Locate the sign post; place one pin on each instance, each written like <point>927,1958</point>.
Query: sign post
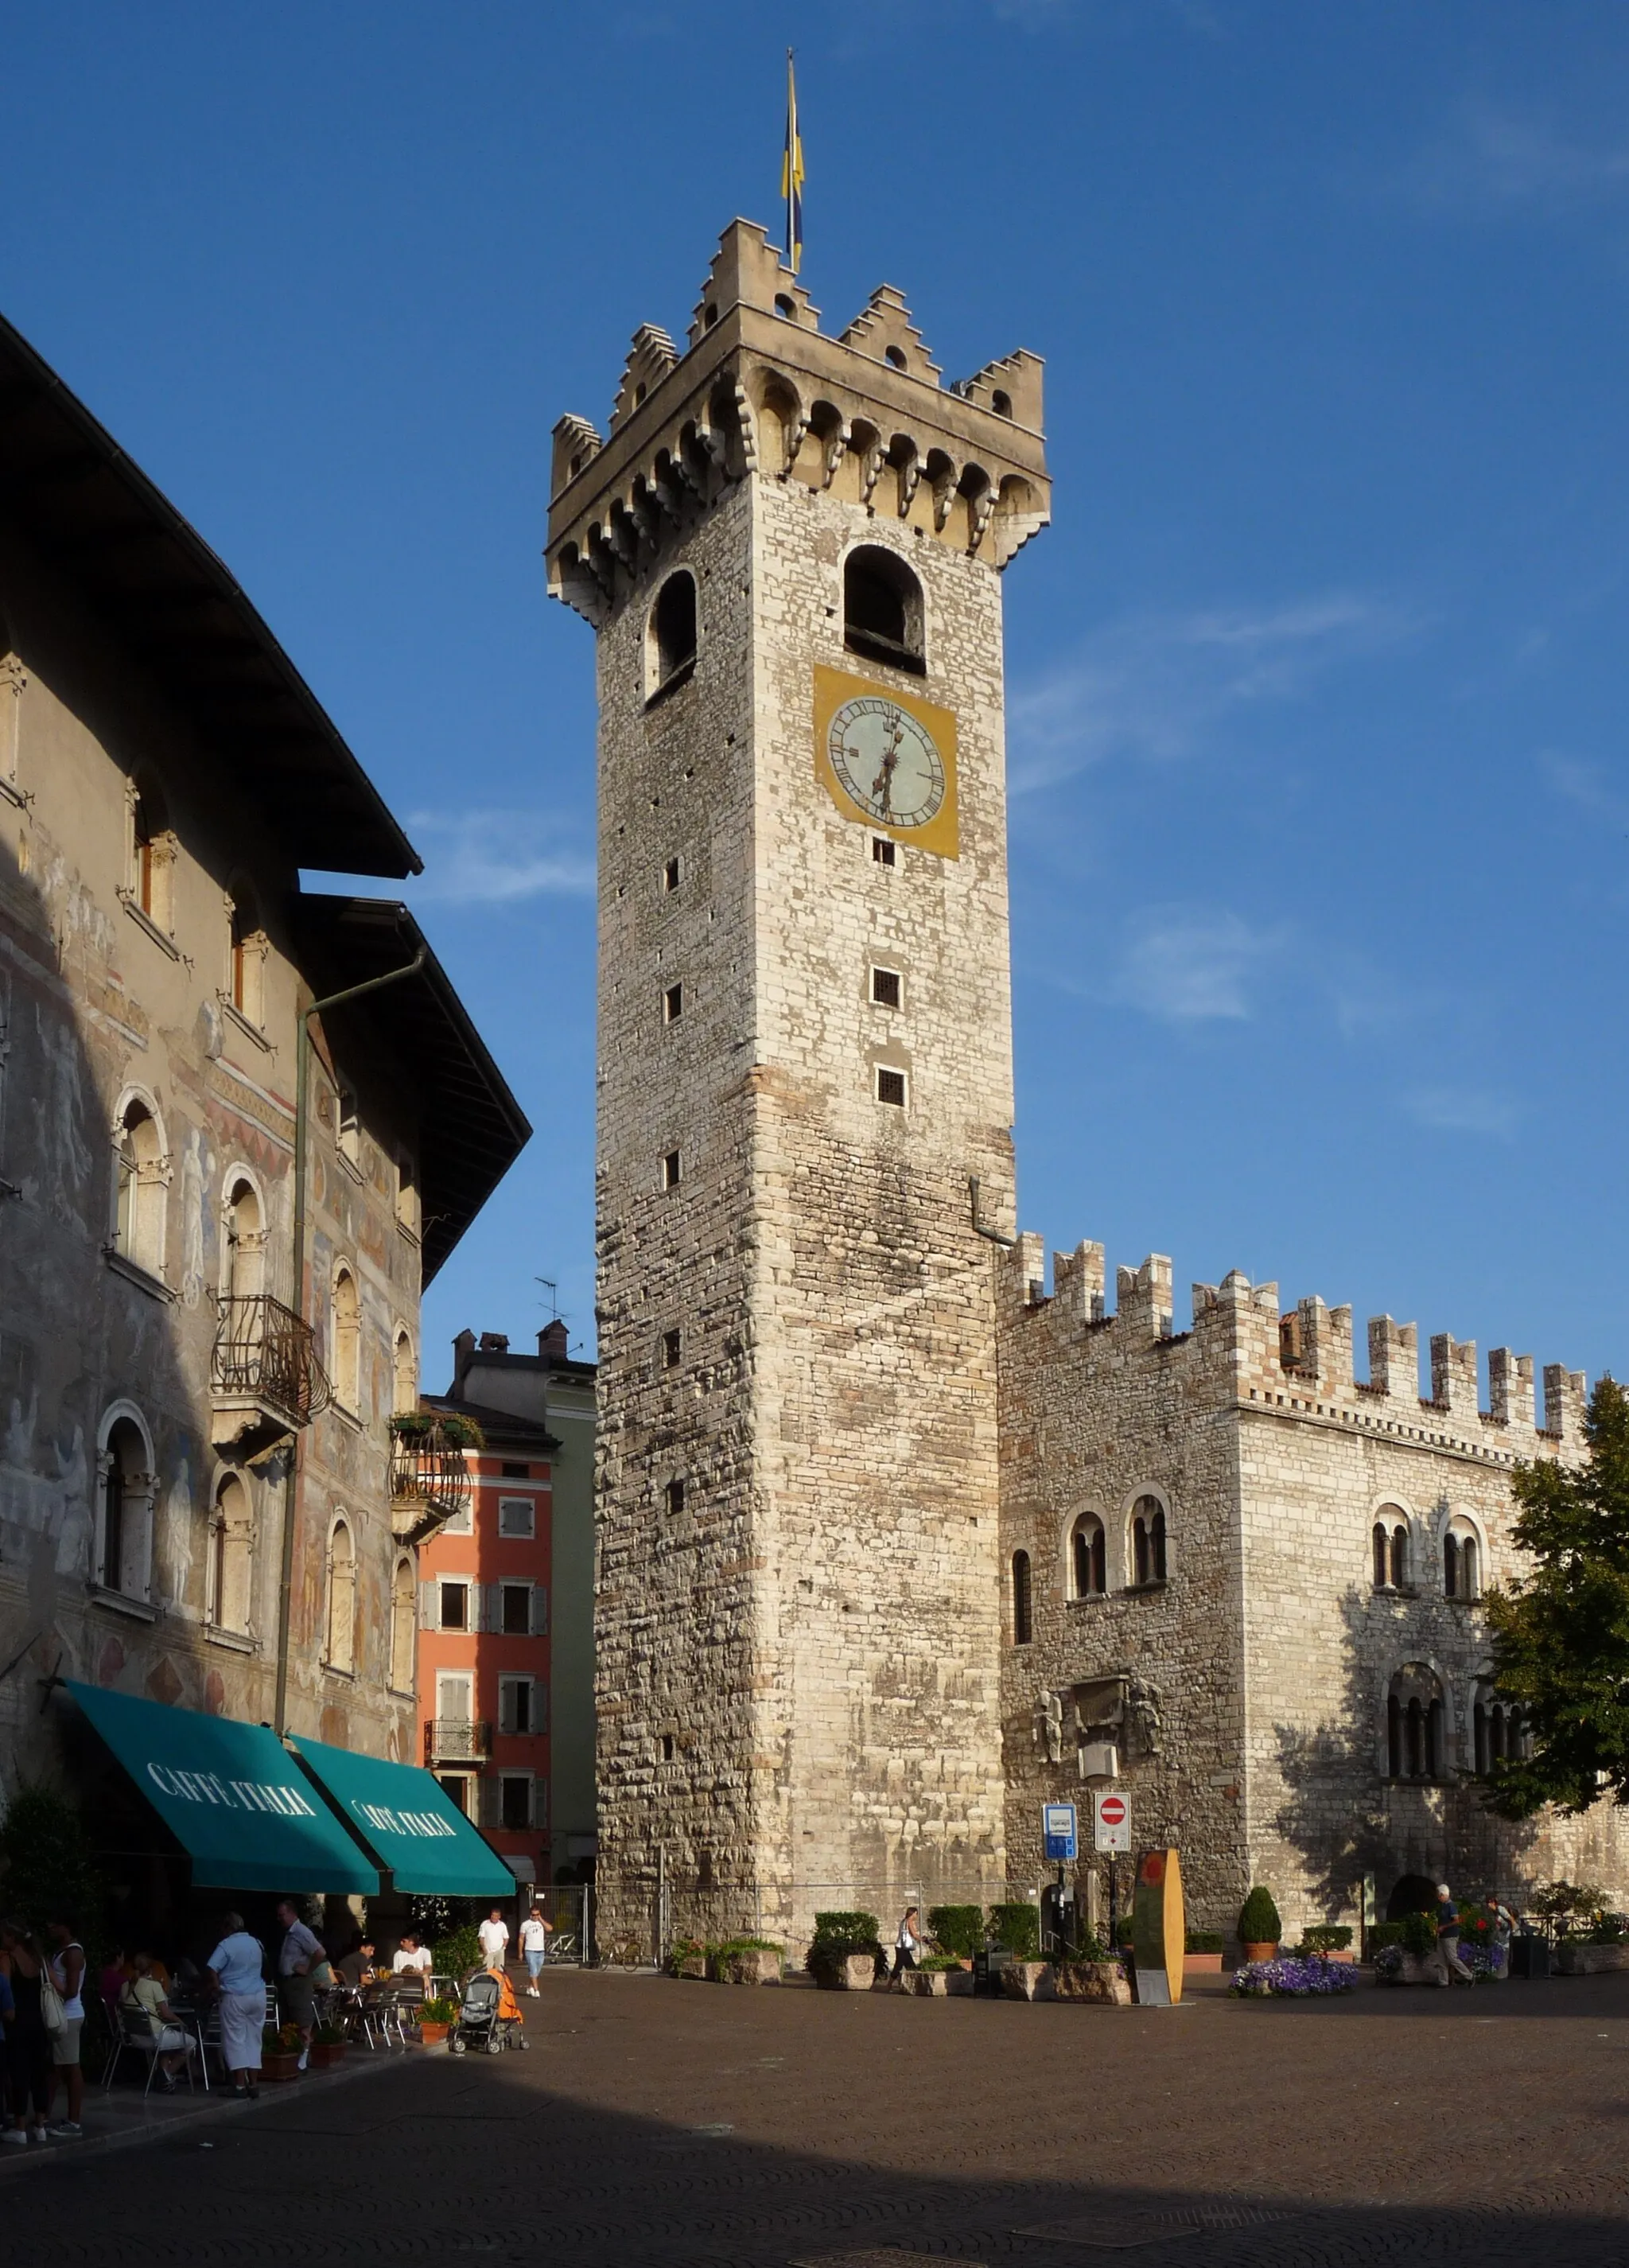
<point>1060,1832</point>
<point>1111,1832</point>
<point>1060,1840</point>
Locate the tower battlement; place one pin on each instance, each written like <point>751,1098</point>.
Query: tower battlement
<point>863,417</point>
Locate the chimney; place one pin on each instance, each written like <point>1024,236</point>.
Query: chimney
<point>463,1355</point>
<point>551,1340</point>
<point>494,1342</point>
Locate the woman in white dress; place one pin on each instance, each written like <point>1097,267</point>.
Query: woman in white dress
<point>237,1967</point>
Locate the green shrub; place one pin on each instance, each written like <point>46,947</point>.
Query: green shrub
<point>457,1953</point>
<point>1017,1927</point>
<point>1258,1918</point>
<point>1326,1937</point>
<point>937,1961</point>
<point>438,2011</point>
<point>1125,1930</point>
<point>957,1929</point>
<point>838,1933</point>
<point>1204,1941</point>
<point>683,1948</point>
<point>1090,1948</point>
<point>48,1872</point>
<point>743,1945</point>
<point>1383,1933</point>
<point>1416,1933</point>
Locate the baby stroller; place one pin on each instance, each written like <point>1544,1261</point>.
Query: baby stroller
<point>489,2016</point>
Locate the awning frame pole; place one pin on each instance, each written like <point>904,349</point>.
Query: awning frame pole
<point>302,1098</point>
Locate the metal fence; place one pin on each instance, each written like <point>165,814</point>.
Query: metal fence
<point>638,1923</point>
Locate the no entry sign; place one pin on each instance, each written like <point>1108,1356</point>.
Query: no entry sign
<point>1111,1817</point>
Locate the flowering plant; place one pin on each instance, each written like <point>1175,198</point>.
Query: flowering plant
<point>282,2039</point>
<point>1293,1978</point>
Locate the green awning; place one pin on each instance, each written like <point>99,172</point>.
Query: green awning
<point>409,1823</point>
<point>232,1794</point>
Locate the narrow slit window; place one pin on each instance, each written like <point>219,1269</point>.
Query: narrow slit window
<point>670,1170</point>
<point>674,1497</point>
<point>673,1003</point>
<point>672,1347</point>
<point>670,876</point>
<point>891,1087</point>
<point>1023,1625</point>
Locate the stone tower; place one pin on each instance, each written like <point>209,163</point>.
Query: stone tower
<point>790,547</point>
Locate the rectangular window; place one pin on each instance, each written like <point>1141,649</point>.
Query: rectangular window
<point>890,1085</point>
<point>350,1129</point>
<point>455,1606</point>
<point>515,1609</point>
<point>884,852</point>
<point>457,1786</point>
<point>670,1170</point>
<point>517,1515</point>
<point>673,1346</point>
<point>463,1520</point>
<point>885,987</point>
<point>515,1472</point>
<point>673,1003</point>
<point>670,875</point>
<point>514,1705</point>
<point>674,1497</point>
<point>516,1800</point>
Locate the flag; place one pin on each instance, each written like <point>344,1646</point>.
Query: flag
<point>792,174</point>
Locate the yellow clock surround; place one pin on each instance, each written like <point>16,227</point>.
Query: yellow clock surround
<point>834,689</point>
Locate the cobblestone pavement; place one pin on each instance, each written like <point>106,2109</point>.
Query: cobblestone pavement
<point>665,2124</point>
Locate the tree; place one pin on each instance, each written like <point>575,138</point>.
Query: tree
<point>1561,1633</point>
<point>46,1867</point>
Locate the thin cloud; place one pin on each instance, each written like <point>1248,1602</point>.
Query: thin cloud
<point>1584,785</point>
<point>1195,965</point>
<point>1153,687</point>
<point>1490,161</point>
<point>1463,1110</point>
<point>495,858</point>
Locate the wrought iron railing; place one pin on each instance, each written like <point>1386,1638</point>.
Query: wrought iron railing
<point>457,1740</point>
<point>264,1349</point>
<point>427,1468</point>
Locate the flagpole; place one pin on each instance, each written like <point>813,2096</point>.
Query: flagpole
<point>792,173</point>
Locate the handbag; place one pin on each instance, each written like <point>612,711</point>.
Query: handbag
<point>53,2016</point>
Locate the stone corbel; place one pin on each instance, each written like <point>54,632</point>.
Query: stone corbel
<point>749,427</point>
<point>910,475</point>
<point>795,433</point>
<point>980,517</point>
<point>945,495</point>
<point>876,457</point>
<point>836,447</point>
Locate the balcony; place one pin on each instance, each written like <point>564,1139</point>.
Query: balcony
<point>429,1478</point>
<point>264,1375</point>
<point>457,1741</point>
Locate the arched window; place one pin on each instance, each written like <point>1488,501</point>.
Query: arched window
<point>140,1174</point>
<point>1147,1541</point>
<point>405,1375</point>
<point>347,1342</point>
<point>1391,1543</point>
<point>1461,1572</point>
<point>248,947</point>
<point>670,638</point>
<point>243,1272</point>
<point>882,611</point>
<point>1500,1731</point>
<point>1023,1625</point>
<point>403,1628</point>
<point>340,1650</point>
<point>1088,1562</point>
<point>1416,1725</point>
<point>124,1528</point>
<point>231,1555</point>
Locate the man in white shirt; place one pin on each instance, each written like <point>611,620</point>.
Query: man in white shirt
<point>494,1936</point>
<point>535,1945</point>
<point>411,1958</point>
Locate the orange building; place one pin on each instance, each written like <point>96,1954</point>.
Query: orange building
<point>484,1649</point>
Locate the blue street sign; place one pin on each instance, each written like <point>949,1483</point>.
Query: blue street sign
<point>1058,1831</point>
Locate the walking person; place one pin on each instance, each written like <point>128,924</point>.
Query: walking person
<point>27,2043</point>
<point>907,1944</point>
<point>1502,1928</point>
<point>535,1945</point>
<point>299,1957</point>
<point>1450,1967</point>
<point>494,1936</point>
<point>237,1975</point>
<point>67,1966</point>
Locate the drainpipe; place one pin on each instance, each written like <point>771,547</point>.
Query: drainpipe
<point>291,1486</point>
<point>994,1235</point>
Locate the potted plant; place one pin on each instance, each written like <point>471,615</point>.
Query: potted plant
<point>939,1975</point>
<point>958,1930</point>
<point>280,2049</point>
<point>1092,1973</point>
<point>688,1957</point>
<point>436,2019</point>
<point>1202,1953</point>
<point>328,2045</point>
<point>1259,1926</point>
<point>1326,1941</point>
<point>844,1955</point>
<point>1405,1951</point>
<point>746,1960</point>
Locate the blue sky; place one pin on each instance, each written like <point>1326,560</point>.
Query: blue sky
<point>1320,811</point>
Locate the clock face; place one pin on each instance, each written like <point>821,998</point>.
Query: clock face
<point>886,760</point>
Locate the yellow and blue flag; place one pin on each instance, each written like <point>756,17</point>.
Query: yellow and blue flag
<point>792,174</point>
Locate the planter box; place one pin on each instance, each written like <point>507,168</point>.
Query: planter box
<point>1417,1969</point>
<point>429,2034</point>
<point>325,2053</point>
<point>1252,1951</point>
<point>1029,1980</point>
<point>928,1983</point>
<point>749,1969</point>
<point>1589,1960</point>
<point>855,1972</point>
<point>694,1964</point>
<point>1202,1964</point>
<point>274,2069</point>
<point>1102,1981</point>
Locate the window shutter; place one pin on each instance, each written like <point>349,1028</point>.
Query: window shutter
<point>540,1802</point>
<point>429,1601</point>
<point>540,1707</point>
<point>540,1609</point>
<point>489,1794</point>
<point>506,1704</point>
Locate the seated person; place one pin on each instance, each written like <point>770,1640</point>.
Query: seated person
<point>145,1995</point>
<point>411,1958</point>
<point>114,1977</point>
<point>357,1966</point>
